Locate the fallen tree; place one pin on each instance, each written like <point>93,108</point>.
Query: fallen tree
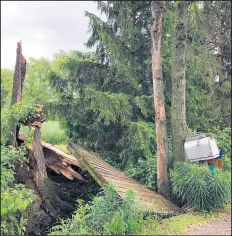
<point>51,202</point>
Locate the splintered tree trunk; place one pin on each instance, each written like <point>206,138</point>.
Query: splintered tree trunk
<point>19,76</point>
<point>46,188</point>
<point>40,173</point>
<point>178,108</point>
<point>163,182</point>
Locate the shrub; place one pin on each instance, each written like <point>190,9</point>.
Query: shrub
<point>226,163</point>
<point>145,172</point>
<point>15,199</point>
<point>108,214</point>
<point>223,139</point>
<point>198,188</point>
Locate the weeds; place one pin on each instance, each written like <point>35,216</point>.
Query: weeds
<point>108,214</point>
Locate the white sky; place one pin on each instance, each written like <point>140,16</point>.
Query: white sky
<point>45,27</point>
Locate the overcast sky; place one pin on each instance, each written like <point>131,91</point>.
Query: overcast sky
<point>45,28</point>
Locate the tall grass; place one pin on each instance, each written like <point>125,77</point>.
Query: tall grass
<point>53,133</point>
<point>50,132</point>
<point>108,215</point>
<point>197,187</point>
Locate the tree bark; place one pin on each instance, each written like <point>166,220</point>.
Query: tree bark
<point>163,180</point>
<point>49,196</point>
<point>19,76</point>
<point>219,36</point>
<point>178,107</point>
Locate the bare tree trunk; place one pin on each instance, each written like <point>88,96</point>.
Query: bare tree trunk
<point>163,181</point>
<point>19,76</point>
<point>178,108</point>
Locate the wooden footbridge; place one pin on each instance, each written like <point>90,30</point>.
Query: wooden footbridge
<point>103,173</point>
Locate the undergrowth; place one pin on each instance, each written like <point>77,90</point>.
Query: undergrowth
<point>108,215</point>
<point>15,198</point>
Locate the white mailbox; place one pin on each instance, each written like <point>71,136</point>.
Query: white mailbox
<point>199,148</point>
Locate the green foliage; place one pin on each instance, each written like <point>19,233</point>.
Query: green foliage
<point>37,86</point>
<point>108,214</point>
<point>145,104</point>
<point>15,199</point>
<point>6,87</point>
<point>11,117</point>
<point>14,209</point>
<point>223,139</point>
<point>110,107</point>
<point>8,156</point>
<point>226,163</point>
<point>145,171</point>
<point>138,142</point>
<point>198,188</point>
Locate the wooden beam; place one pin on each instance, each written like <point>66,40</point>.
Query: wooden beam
<point>89,167</point>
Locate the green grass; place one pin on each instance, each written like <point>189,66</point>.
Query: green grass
<point>50,132</point>
<point>177,225</point>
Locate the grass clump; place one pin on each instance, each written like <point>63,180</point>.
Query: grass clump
<point>51,132</point>
<point>108,214</point>
<point>198,188</point>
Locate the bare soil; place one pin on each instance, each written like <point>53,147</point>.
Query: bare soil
<point>220,226</point>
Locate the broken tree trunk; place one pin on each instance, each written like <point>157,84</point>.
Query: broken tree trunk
<point>163,182</point>
<point>55,159</point>
<point>19,76</point>
<point>50,200</point>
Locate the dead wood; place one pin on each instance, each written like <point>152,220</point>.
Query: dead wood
<point>17,91</point>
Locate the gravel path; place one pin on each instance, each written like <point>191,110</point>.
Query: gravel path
<point>221,226</point>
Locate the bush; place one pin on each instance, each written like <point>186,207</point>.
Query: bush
<point>198,188</point>
<point>226,163</point>
<point>145,172</point>
<point>15,199</point>
<point>223,139</point>
<point>108,214</point>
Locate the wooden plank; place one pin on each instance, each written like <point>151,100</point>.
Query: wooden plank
<point>89,167</point>
<point>97,167</point>
<point>108,173</point>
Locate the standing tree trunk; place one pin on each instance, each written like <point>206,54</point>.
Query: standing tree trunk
<point>178,108</point>
<point>219,36</point>
<point>163,181</point>
<point>19,76</point>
